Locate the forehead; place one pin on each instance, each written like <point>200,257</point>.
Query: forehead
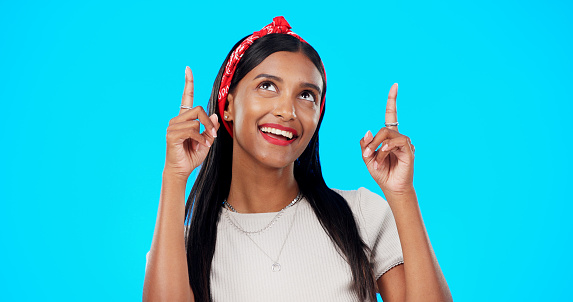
<point>290,66</point>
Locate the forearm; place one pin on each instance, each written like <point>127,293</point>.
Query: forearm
<point>424,280</point>
<point>166,277</point>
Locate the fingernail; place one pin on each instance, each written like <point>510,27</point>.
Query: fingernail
<point>385,147</point>
<point>197,147</point>
<point>213,132</point>
<point>367,152</point>
<point>367,135</point>
<point>375,164</point>
<point>187,71</point>
<point>208,144</point>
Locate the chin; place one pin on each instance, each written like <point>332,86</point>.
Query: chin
<point>277,162</point>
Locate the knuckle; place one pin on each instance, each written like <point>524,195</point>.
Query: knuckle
<point>170,135</point>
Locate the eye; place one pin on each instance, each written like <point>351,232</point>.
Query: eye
<point>307,95</point>
<point>268,86</point>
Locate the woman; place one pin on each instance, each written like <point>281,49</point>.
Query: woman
<point>263,224</point>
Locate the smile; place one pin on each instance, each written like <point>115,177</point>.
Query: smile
<point>277,134</point>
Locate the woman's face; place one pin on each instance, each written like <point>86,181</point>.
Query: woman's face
<point>275,109</point>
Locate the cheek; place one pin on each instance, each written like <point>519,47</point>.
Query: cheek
<point>316,119</point>
<point>315,111</point>
<point>315,114</point>
<point>311,118</point>
<point>247,110</point>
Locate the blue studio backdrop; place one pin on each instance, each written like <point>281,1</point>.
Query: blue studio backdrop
<point>87,89</point>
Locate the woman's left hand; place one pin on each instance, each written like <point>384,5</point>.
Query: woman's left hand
<point>392,165</point>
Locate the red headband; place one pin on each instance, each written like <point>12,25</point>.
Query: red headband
<point>279,26</point>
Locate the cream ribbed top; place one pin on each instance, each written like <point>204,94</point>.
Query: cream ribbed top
<point>311,267</point>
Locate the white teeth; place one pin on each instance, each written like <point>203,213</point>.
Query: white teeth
<point>284,133</point>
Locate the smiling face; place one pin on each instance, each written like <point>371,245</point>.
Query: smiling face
<point>274,110</point>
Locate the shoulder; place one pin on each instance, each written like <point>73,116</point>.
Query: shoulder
<point>363,201</point>
<point>371,212</point>
<point>377,228</point>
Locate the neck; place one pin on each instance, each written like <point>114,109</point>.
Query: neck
<point>258,189</point>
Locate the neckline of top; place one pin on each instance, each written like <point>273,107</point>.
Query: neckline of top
<point>264,214</point>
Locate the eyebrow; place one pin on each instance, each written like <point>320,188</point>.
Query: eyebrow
<point>272,77</point>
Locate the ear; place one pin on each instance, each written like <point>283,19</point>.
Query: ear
<point>229,108</point>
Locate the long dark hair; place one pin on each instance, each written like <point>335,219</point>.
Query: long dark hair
<point>213,182</point>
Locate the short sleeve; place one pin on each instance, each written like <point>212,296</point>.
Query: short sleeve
<point>377,228</point>
<point>381,232</point>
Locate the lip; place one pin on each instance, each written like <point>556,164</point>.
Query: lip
<point>275,141</point>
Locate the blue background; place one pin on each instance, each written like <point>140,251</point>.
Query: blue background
<point>87,89</point>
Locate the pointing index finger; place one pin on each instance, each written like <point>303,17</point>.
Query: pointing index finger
<point>187,99</point>
<point>391,114</point>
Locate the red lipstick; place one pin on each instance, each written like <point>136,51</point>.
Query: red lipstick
<point>276,141</point>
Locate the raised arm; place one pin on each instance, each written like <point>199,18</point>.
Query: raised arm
<point>392,167</point>
<point>166,276</point>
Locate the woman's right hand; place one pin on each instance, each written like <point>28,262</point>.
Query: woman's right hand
<point>186,146</point>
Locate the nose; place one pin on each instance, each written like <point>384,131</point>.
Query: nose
<point>285,108</point>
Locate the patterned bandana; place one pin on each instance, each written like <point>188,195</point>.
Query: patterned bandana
<point>279,26</point>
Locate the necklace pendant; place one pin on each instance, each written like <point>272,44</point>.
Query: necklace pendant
<point>276,267</point>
